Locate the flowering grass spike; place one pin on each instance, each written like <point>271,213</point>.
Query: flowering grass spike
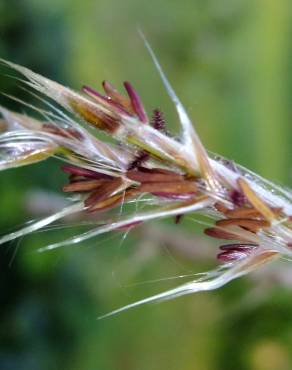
<point>160,175</point>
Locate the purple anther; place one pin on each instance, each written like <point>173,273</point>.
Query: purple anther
<point>136,102</point>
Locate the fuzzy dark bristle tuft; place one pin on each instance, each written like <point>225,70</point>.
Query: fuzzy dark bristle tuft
<point>158,121</point>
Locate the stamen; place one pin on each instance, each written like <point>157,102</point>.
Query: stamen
<point>114,94</point>
<point>81,186</point>
<point>153,176</point>
<point>105,190</point>
<point>216,232</point>
<point>136,102</point>
<point>246,223</point>
<point>113,201</point>
<point>83,172</point>
<point>108,101</point>
<point>243,213</point>
<point>180,187</point>
<point>250,212</point>
<point>220,207</point>
<point>106,204</point>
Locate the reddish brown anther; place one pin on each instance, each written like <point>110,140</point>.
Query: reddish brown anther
<point>83,172</point>
<point>216,232</point>
<point>153,175</point>
<point>106,204</point>
<point>105,100</point>
<point>248,224</point>
<point>220,207</point>
<point>113,201</point>
<point>82,186</point>
<point>169,188</point>
<point>178,188</point>
<point>117,97</point>
<point>104,191</point>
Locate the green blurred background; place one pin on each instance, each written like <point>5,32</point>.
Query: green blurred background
<point>230,63</point>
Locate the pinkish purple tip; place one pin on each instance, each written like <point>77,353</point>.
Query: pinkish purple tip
<point>136,102</point>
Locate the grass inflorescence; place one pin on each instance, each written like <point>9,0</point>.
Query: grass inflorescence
<point>251,217</point>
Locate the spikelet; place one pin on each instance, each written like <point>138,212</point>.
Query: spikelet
<point>177,175</point>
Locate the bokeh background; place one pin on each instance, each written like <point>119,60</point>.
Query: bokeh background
<point>230,63</point>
